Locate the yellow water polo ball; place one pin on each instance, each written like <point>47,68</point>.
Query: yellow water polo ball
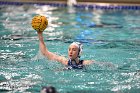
<point>39,23</point>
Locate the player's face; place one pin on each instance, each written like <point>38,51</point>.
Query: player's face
<point>73,51</point>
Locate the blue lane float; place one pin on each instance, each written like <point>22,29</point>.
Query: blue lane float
<point>83,6</point>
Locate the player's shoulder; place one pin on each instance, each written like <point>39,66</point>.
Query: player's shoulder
<point>88,62</point>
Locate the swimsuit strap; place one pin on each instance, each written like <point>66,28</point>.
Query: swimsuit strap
<point>81,62</point>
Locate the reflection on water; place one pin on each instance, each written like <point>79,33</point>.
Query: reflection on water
<point>111,37</point>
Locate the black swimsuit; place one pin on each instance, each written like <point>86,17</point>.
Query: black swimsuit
<point>75,66</point>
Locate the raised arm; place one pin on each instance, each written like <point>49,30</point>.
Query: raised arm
<point>47,53</point>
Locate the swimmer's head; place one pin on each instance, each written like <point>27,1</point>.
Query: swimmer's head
<point>48,89</point>
<point>78,46</point>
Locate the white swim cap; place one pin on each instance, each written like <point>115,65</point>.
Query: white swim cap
<point>79,46</point>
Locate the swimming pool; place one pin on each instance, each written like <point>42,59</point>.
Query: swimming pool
<point>111,37</point>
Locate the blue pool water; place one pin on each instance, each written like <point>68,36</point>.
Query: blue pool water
<point>111,37</point>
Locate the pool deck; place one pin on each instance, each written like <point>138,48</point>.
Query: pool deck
<point>85,2</point>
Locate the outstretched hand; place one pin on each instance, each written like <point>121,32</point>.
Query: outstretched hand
<point>39,32</point>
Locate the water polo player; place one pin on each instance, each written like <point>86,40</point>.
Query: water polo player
<point>40,23</point>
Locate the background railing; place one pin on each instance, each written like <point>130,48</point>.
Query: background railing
<point>112,1</point>
<point>100,1</point>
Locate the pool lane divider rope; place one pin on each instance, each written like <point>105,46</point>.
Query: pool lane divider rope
<point>83,6</point>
